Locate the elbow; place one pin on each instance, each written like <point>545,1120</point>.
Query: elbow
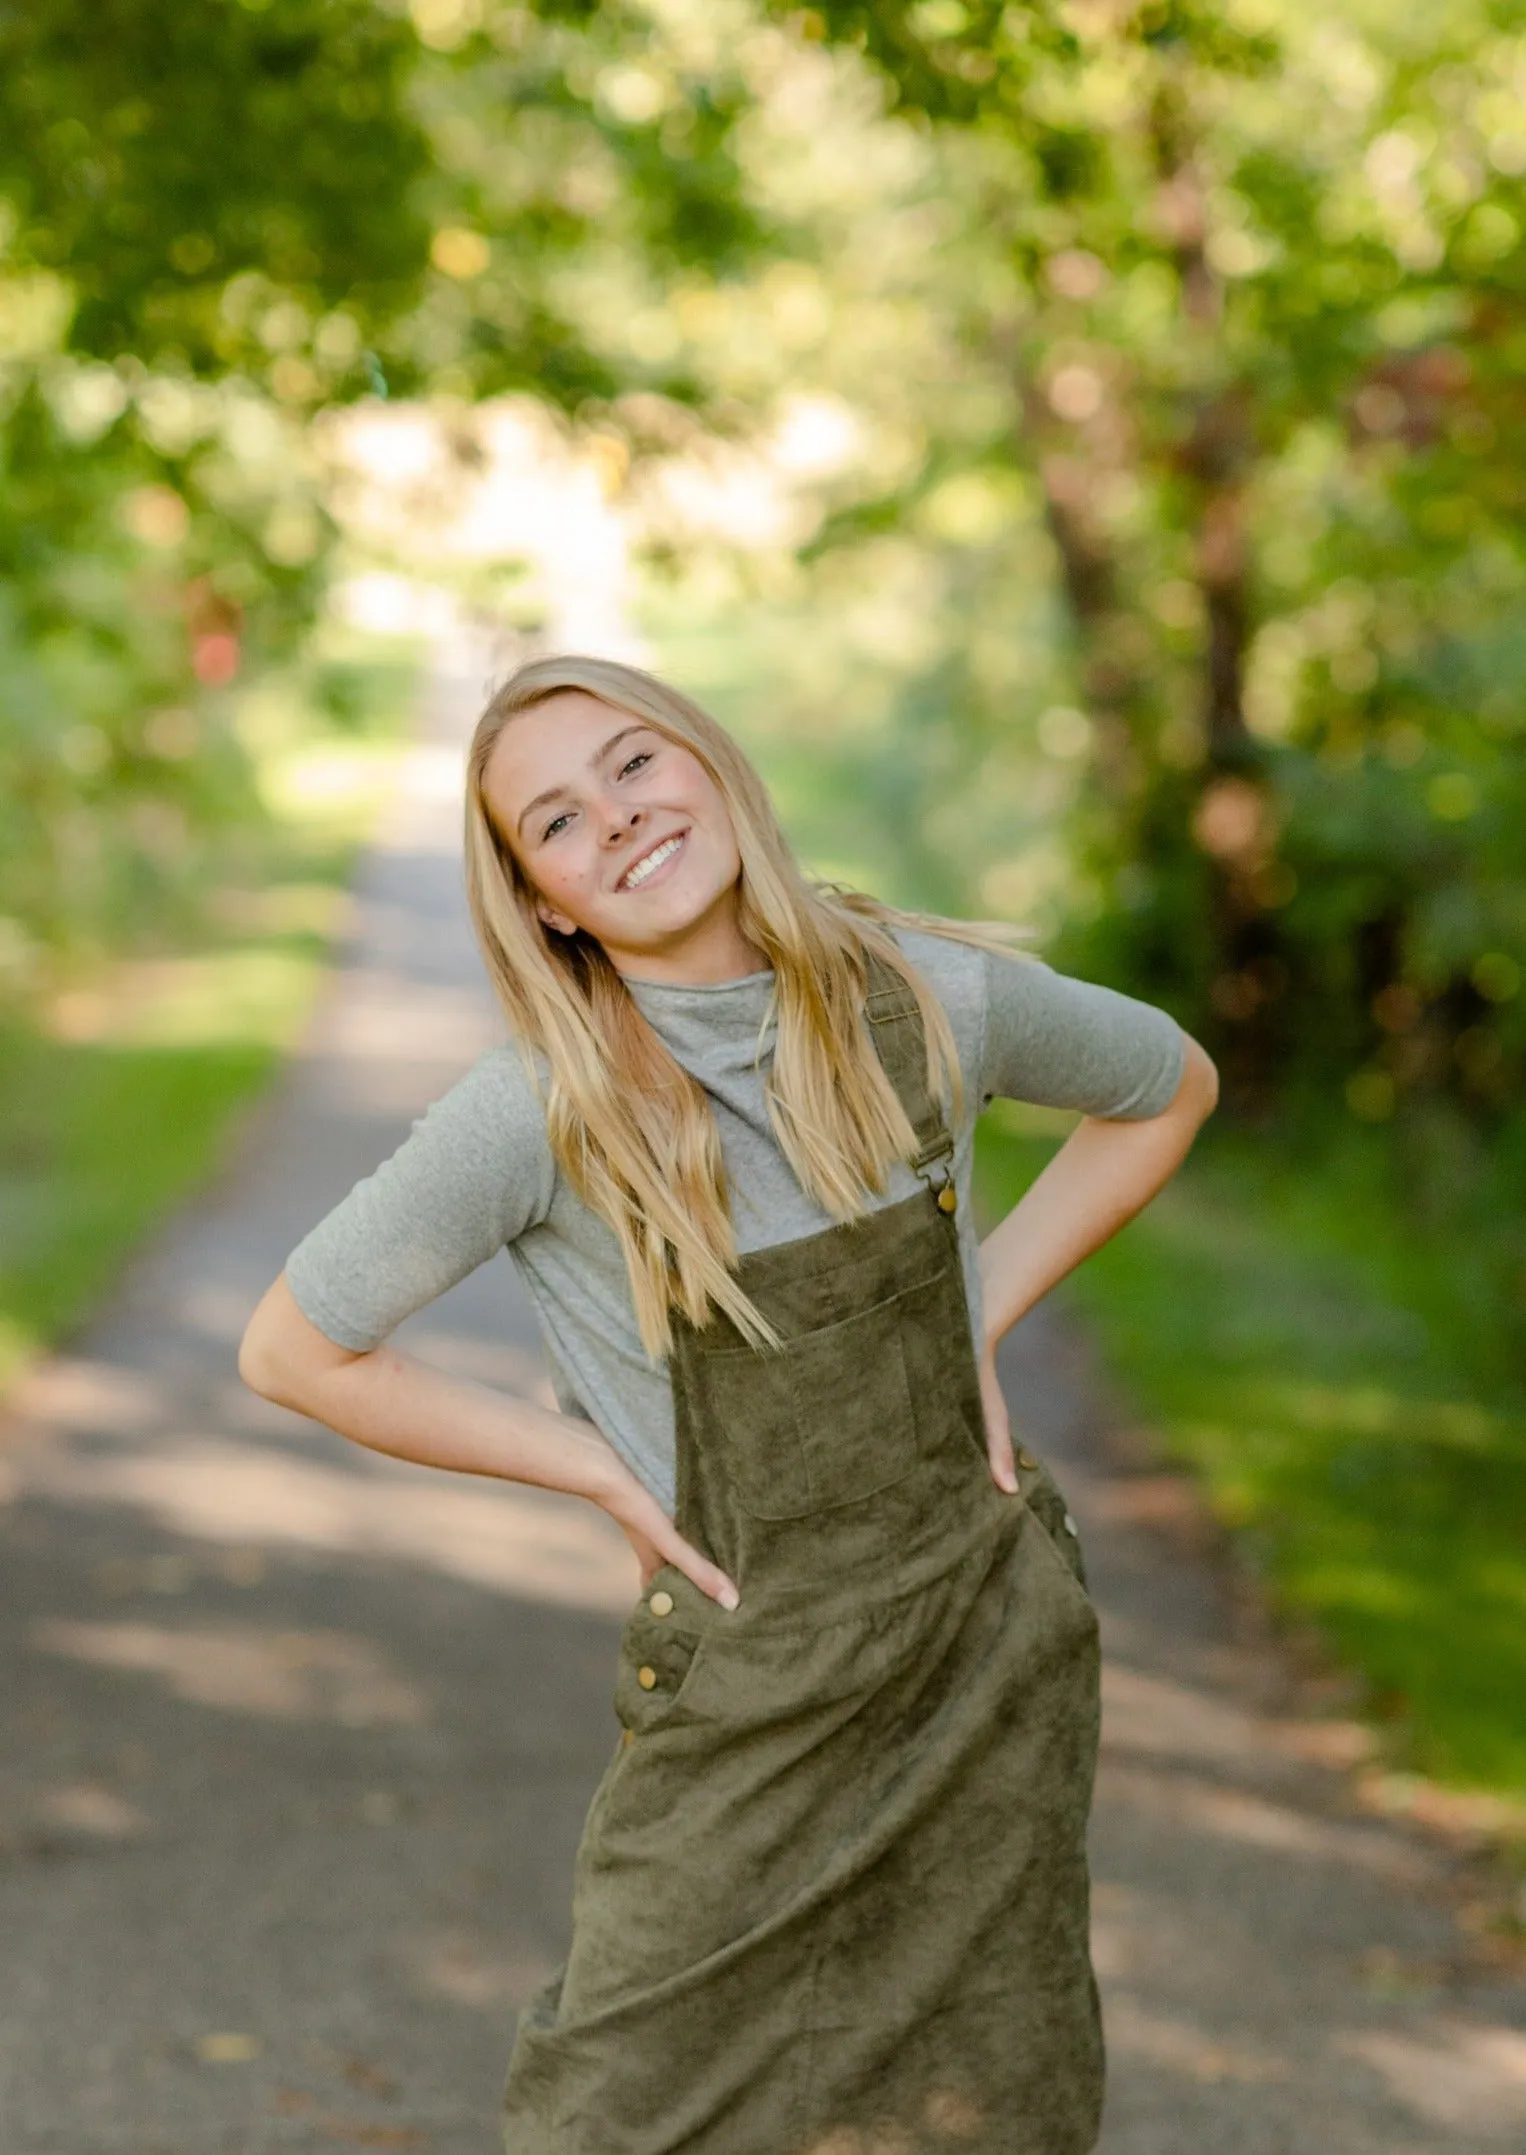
<point>1198,1092</point>
<point>281,1353</point>
<point>260,1367</point>
<point>280,1375</point>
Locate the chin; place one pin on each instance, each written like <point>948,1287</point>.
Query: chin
<point>687,903</point>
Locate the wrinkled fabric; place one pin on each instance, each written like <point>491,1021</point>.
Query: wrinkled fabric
<point>831,1895</point>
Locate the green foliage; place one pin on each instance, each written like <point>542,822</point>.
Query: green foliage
<point>189,169</point>
<point>214,223</point>
<point>205,213</point>
<point>138,588</point>
<point>1232,291</point>
<point>1245,288</point>
<point>585,162</point>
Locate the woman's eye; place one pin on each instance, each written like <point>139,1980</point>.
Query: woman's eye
<point>558,823</point>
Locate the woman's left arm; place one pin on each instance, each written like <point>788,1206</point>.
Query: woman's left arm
<point>1105,1172</point>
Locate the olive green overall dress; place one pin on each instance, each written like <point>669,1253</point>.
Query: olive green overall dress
<point>831,1896</point>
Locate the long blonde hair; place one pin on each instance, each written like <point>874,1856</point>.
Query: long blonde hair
<point>629,1127</point>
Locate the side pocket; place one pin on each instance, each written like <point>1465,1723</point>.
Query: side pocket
<point>1047,1503</point>
<point>657,1658</point>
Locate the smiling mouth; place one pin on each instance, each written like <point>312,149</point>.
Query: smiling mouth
<point>642,870</point>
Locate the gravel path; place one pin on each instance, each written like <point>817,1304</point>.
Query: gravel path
<point>300,1738</point>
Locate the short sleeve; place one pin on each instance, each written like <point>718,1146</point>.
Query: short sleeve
<point>1061,1042</point>
<point>475,1172</point>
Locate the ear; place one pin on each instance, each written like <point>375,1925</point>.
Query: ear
<point>551,918</point>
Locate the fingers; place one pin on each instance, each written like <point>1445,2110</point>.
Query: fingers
<point>658,1542</point>
<point>998,1428</point>
<point>708,1577</point>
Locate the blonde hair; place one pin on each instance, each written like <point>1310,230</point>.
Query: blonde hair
<point>629,1127</point>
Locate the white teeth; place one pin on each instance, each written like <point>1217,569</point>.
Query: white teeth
<point>650,861</point>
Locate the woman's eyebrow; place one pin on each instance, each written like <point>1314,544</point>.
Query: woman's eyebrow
<point>554,793</point>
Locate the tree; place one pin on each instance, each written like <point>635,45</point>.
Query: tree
<point>1264,274</point>
<point>219,221</point>
<point>169,163</point>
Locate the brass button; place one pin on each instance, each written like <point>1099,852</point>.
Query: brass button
<point>646,1678</point>
<point>661,1603</point>
<point>948,1198</point>
<point>1026,1460</point>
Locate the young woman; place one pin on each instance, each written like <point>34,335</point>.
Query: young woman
<point>831,1896</point>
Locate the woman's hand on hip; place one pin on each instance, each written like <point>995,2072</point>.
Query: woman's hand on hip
<point>656,1540</point>
<point>386,1400</point>
<point>998,1426</point>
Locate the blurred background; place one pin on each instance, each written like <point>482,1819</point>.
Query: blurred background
<point>1080,448</point>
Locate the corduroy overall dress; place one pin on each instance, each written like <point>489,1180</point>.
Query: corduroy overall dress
<point>831,1895</point>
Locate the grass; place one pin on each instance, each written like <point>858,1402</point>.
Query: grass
<point>1292,1337</point>
<point>99,1142</point>
<point>118,1096</point>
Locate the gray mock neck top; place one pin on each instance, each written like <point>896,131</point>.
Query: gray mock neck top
<point>476,1172</point>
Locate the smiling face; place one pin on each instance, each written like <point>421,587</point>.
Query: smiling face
<point>623,834</point>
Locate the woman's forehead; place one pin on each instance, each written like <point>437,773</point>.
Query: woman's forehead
<point>567,713</point>
<point>563,729</point>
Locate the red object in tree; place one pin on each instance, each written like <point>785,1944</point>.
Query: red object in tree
<point>214,623</point>
<point>214,657</point>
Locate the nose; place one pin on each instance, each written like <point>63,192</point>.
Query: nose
<point>620,820</point>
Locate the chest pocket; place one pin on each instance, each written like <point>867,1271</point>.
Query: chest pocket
<point>826,1420</point>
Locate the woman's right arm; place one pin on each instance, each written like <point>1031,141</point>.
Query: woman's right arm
<point>391,1402</point>
<point>475,1173</point>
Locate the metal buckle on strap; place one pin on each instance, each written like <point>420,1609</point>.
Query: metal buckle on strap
<point>941,1181</point>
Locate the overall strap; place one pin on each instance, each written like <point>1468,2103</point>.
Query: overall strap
<point>896,1028</point>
